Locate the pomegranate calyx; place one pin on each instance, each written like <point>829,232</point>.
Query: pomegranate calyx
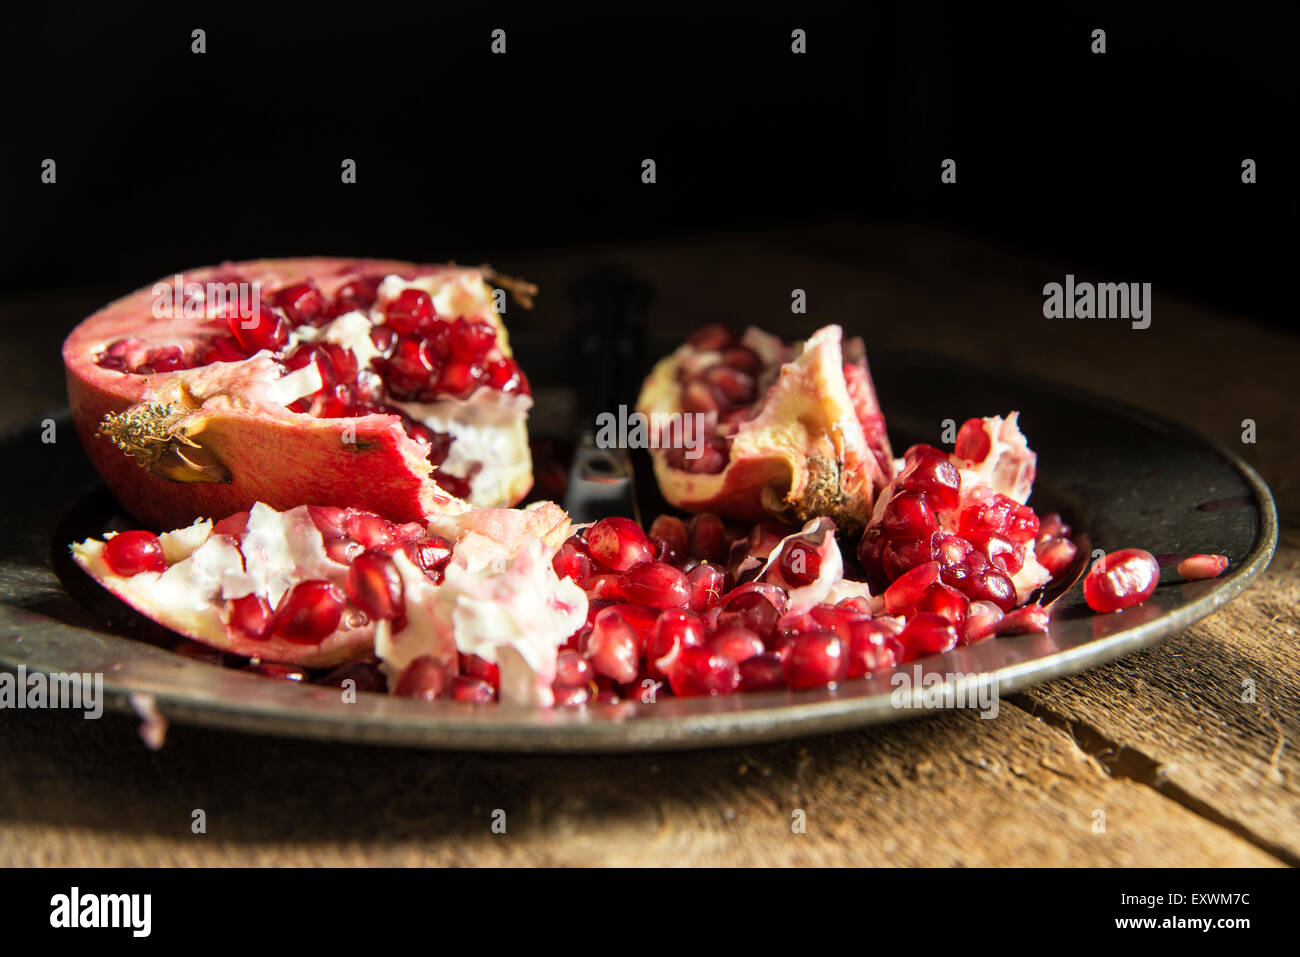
<point>159,437</point>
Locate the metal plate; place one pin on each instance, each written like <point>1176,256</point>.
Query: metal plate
<point>1121,477</point>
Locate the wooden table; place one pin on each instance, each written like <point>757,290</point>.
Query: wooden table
<point>1159,743</point>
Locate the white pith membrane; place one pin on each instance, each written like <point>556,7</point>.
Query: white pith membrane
<point>829,586</point>
<point>500,598</point>
<point>488,428</point>
<point>1009,470</point>
<point>804,452</point>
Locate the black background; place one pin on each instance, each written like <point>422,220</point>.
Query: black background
<point>1126,165</point>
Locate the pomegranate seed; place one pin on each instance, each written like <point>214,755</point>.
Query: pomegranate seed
<point>981,621</point>
<point>870,648</point>
<point>1056,554</point>
<point>250,616</point>
<point>431,555</point>
<point>504,375</point>
<point>424,678</point>
<point>1196,567</point>
<point>701,397</point>
<point>472,690</point>
<point>735,387</point>
<point>973,442</point>
<point>817,659</point>
<point>711,338</point>
<point>641,619</point>
<point>459,378</point>
<point>710,458</point>
<point>618,543</point>
<point>384,339</point>
<point>909,588</point>
<point>698,671</point>
<point>743,358</point>
<point>775,594</point>
<point>608,587</point>
<point>1121,580</point>
<point>992,585</point>
<point>749,610</point>
<point>302,302</point>
<point>656,584</point>
<point>672,532</point>
<point>480,668</point>
<point>308,613</point>
<point>265,329</point>
<point>1051,526</point>
<point>412,365</point>
<point>833,618</point>
<point>374,586</point>
<point>945,601</point>
<point>411,310</point>
<point>908,515</point>
<point>928,634</point>
<point>269,669</point>
<point>999,550</point>
<point>929,471</point>
<point>707,539</point>
<point>224,349</point>
<point>572,561</point>
<point>763,672</point>
<point>800,563</point>
<point>674,629</point>
<point>901,555</point>
<point>706,583</point>
<point>738,644</point>
<point>130,553</point>
<point>471,341</point>
<point>1029,620</point>
<point>359,293</point>
<point>571,668</point>
<point>573,696</point>
<point>870,552</point>
<point>612,647</point>
<point>1022,525</point>
<point>992,515</point>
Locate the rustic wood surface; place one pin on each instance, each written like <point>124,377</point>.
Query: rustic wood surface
<point>1159,745</point>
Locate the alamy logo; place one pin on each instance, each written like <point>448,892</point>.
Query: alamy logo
<point>103,910</point>
<point>659,430</point>
<point>179,299</point>
<point>952,690</point>
<point>1103,300</point>
<point>82,691</point>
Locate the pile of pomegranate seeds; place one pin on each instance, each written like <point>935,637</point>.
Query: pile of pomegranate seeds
<point>421,357</point>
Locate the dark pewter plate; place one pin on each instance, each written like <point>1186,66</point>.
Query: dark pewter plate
<point>1121,477</point>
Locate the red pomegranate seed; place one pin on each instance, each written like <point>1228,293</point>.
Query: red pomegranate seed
<point>1196,567</point>
<point>572,561</point>
<point>1022,525</point>
<point>459,378</point>
<point>698,671</point>
<point>982,620</point>
<point>480,668</point>
<point>1029,620</point>
<point>374,586</point>
<point>928,634</point>
<point>705,582</point>
<point>908,515</point>
<point>471,341</point>
<point>775,594</point>
<point>671,530</point>
<point>656,584</point>
<point>999,550</point>
<point>1056,554</point>
<point>816,660</point>
<point>909,588</point>
<point>302,302</point>
<point>992,585</point>
<point>749,610</point>
<point>901,555</point>
<point>250,616</point>
<point>572,696</point>
<point>472,690</point>
<point>675,629</point>
<point>707,539</point>
<point>743,358</point>
<point>613,647</point>
<point>800,563</point>
<point>738,644</point>
<point>708,459</point>
<point>711,338</point>
<point>991,515</point>
<point>424,678</point>
<point>571,668</point>
<point>308,613</point>
<point>431,555</point>
<point>265,329</point>
<point>871,552</point>
<point>763,672</point>
<point>700,397</point>
<point>930,472</point>
<point>641,619</point>
<point>943,600</point>
<point>618,543</point>
<point>1121,580</point>
<point>410,368</point>
<point>870,647</point>
<point>504,375</point>
<point>608,587</point>
<point>384,339</point>
<point>410,311</point>
<point>1051,526</point>
<point>224,349</point>
<point>735,387</point>
<point>130,553</point>
<point>358,293</point>
<point>833,618</point>
<point>973,442</point>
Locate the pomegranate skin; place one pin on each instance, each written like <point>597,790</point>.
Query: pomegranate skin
<point>274,456</point>
<point>1121,579</point>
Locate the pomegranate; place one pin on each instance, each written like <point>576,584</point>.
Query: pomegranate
<point>1121,579</point>
<point>1195,567</point>
<point>195,401</point>
<point>793,431</point>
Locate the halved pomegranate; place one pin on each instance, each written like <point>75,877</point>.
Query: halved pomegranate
<point>793,431</point>
<point>302,381</point>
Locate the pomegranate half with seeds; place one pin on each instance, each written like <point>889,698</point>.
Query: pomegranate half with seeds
<point>374,384</point>
<point>749,427</point>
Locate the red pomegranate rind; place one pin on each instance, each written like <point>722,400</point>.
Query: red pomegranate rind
<point>812,443</point>
<point>231,439</point>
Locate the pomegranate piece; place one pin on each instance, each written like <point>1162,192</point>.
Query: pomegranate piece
<point>945,601</point>
<point>872,646</point>
<point>749,610</point>
<point>902,596</point>
<point>816,660</point>
<point>613,647</point>
<point>374,586</point>
<point>250,616</point>
<point>472,690</point>
<point>973,442</point>
<point>705,583</point>
<point>674,630</point>
<point>302,302</point>
<point>738,644</point>
<point>1029,620</point>
<point>1056,554</point>
<point>409,311</point>
<point>308,613</point>
<point>618,543</point>
<point>1195,567</point>
<point>697,671</point>
<point>571,669</point>
<point>707,539</point>
<point>927,634</point>
<point>572,561</point>
<point>656,584</point>
<point>424,678</point>
<point>130,553</point>
<point>763,672</point>
<point>1121,579</point>
<point>800,563</point>
<point>266,328</point>
<point>982,619</point>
